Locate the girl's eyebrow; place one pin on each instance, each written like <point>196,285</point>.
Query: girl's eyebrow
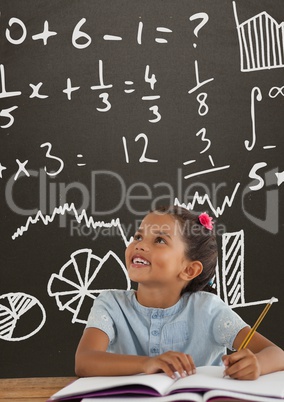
<point>155,232</point>
<point>161,233</point>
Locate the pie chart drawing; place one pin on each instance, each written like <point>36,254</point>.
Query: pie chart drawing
<point>21,316</point>
<point>76,284</point>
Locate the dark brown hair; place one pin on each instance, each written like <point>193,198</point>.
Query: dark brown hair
<point>201,245</point>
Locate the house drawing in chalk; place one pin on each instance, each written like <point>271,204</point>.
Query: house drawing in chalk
<point>261,41</point>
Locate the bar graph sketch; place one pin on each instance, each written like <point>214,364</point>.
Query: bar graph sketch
<point>261,41</point>
<point>233,270</point>
<point>233,267</point>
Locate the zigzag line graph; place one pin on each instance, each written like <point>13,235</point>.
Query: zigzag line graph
<point>61,210</point>
<point>89,221</point>
<point>202,199</point>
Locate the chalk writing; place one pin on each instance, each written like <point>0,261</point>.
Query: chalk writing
<point>6,113</point>
<point>21,169</point>
<point>36,93</point>
<point>143,157</point>
<point>204,19</point>
<point>4,93</point>
<point>254,175</point>
<point>203,109</point>
<point>276,91</point>
<point>48,155</point>
<point>199,83</point>
<point>258,97</point>
<point>45,34</point>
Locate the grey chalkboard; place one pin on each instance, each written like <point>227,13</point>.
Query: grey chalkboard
<point>110,108</point>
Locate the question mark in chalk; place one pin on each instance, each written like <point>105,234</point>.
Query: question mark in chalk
<point>204,17</point>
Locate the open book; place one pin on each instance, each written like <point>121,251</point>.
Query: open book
<point>206,384</point>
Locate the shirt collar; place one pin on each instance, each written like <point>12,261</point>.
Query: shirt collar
<point>160,312</point>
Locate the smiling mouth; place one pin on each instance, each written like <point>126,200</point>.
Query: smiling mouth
<point>140,261</point>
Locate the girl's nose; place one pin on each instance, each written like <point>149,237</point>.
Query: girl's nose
<point>142,246</point>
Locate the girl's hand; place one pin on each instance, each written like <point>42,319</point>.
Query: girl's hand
<point>242,365</point>
<point>170,362</point>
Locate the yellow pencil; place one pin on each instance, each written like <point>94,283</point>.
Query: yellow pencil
<point>258,321</point>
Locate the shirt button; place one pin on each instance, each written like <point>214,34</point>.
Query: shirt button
<point>155,333</point>
<point>154,350</point>
<point>155,315</point>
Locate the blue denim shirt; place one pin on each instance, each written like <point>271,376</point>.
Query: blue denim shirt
<point>199,324</point>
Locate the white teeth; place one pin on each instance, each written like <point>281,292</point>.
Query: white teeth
<point>140,261</point>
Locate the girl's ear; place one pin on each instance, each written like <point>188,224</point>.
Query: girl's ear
<point>191,271</point>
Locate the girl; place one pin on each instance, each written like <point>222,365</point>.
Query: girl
<point>173,322</point>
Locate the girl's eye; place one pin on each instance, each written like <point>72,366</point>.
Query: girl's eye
<point>161,240</point>
<point>137,237</point>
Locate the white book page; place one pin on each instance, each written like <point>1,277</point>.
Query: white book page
<point>237,395</point>
<point>159,382</point>
<point>190,397</point>
<point>271,385</point>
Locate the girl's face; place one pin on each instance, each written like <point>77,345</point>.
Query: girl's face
<point>157,254</point>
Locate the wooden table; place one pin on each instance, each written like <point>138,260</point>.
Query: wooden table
<point>31,389</point>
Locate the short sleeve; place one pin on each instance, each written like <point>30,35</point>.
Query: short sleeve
<point>227,325</point>
<point>100,318</point>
